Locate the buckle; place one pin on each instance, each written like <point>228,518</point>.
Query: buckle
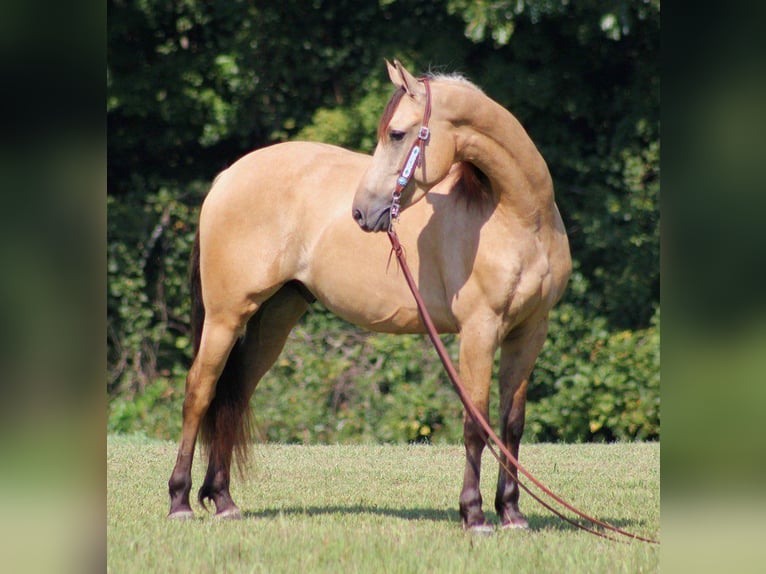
<point>424,133</point>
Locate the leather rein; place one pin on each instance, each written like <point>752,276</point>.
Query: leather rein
<point>416,157</point>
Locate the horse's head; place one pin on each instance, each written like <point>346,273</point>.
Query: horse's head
<point>407,153</point>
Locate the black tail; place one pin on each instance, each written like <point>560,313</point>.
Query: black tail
<point>227,424</point>
<point>195,288</point>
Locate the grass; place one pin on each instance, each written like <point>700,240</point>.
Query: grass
<point>379,509</point>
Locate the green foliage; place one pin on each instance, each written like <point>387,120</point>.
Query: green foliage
<point>193,85</point>
<point>337,383</point>
<point>148,308</point>
<point>353,127</point>
<point>594,385</point>
<point>153,411</point>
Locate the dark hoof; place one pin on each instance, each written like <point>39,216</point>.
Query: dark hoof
<point>484,529</point>
<point>512,518</point>
<point>515,522</point>
<point>229,514</point>
<point>181,514</point>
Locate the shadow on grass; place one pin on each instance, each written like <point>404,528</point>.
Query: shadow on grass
<point>404,513</point>
<point>536,521</point>
<point>551,522</point>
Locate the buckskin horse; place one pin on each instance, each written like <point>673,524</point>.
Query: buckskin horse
<point>286,224</point>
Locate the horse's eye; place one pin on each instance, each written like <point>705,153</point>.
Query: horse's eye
<point>396,135</point>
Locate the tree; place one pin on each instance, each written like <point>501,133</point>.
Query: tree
<point>194,85</point>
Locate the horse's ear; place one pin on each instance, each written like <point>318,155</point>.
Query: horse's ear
<point>393,74</point>
<point>401,77</point>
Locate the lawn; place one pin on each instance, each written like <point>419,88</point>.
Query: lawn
<point>379,509</point>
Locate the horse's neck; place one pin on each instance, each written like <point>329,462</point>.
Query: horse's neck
<point>494,141</point>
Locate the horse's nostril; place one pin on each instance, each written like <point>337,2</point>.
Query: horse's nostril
<point>358,217</point>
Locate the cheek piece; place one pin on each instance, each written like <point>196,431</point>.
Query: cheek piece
<point>415,158</point>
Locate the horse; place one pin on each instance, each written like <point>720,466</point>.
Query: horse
<point>296,222</point>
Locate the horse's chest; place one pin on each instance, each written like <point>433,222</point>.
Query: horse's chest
<point>506,285</point>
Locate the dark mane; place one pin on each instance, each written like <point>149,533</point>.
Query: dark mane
<point>389,111</point>
<point>475,185</point>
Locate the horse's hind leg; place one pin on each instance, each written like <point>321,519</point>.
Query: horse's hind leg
<point>216,342</point>
<point>517,357</point>
<point>264,339</point>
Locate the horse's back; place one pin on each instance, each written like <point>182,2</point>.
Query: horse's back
<point>273,178</point>
<point>263,214</point>
<point>283,167</point>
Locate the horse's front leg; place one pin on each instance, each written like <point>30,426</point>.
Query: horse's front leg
<point>517,357</point>
<point>477,350</point>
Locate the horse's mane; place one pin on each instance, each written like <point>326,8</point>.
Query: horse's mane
<point>454,77</point>
<point>474,184</point>
<point>388,112</point>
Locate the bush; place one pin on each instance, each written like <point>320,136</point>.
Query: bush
<point>335,382</point>
<point>189,91</point>
<point>148,301</point>
<point>608,386</point>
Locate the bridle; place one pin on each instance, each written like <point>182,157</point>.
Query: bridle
<point>416,157</point>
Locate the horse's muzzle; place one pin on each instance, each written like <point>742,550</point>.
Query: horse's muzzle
<point>381,223</point>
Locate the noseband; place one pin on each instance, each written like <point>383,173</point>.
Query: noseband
<point>415,158</point>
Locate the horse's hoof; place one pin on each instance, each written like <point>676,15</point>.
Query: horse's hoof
<point>484,529</point>
<point>182,514</point>
<point>518,524</point>
<point>229,514</point>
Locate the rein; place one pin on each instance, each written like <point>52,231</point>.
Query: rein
<point>489,435</point>
<point>416,154</point>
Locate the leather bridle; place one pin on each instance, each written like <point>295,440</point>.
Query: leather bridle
<point>416,157</point>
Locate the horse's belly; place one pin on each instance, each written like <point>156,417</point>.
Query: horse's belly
<point>356,276</point>
<point>372,293</point>
<point>399,320</point>
<point>386,311</point>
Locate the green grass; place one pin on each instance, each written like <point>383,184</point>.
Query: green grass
<point>379,509</point>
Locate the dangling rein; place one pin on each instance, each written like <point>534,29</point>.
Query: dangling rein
<point>489,436</point>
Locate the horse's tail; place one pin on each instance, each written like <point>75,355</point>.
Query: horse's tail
<point>227,424</point>
<point>195,288</point>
